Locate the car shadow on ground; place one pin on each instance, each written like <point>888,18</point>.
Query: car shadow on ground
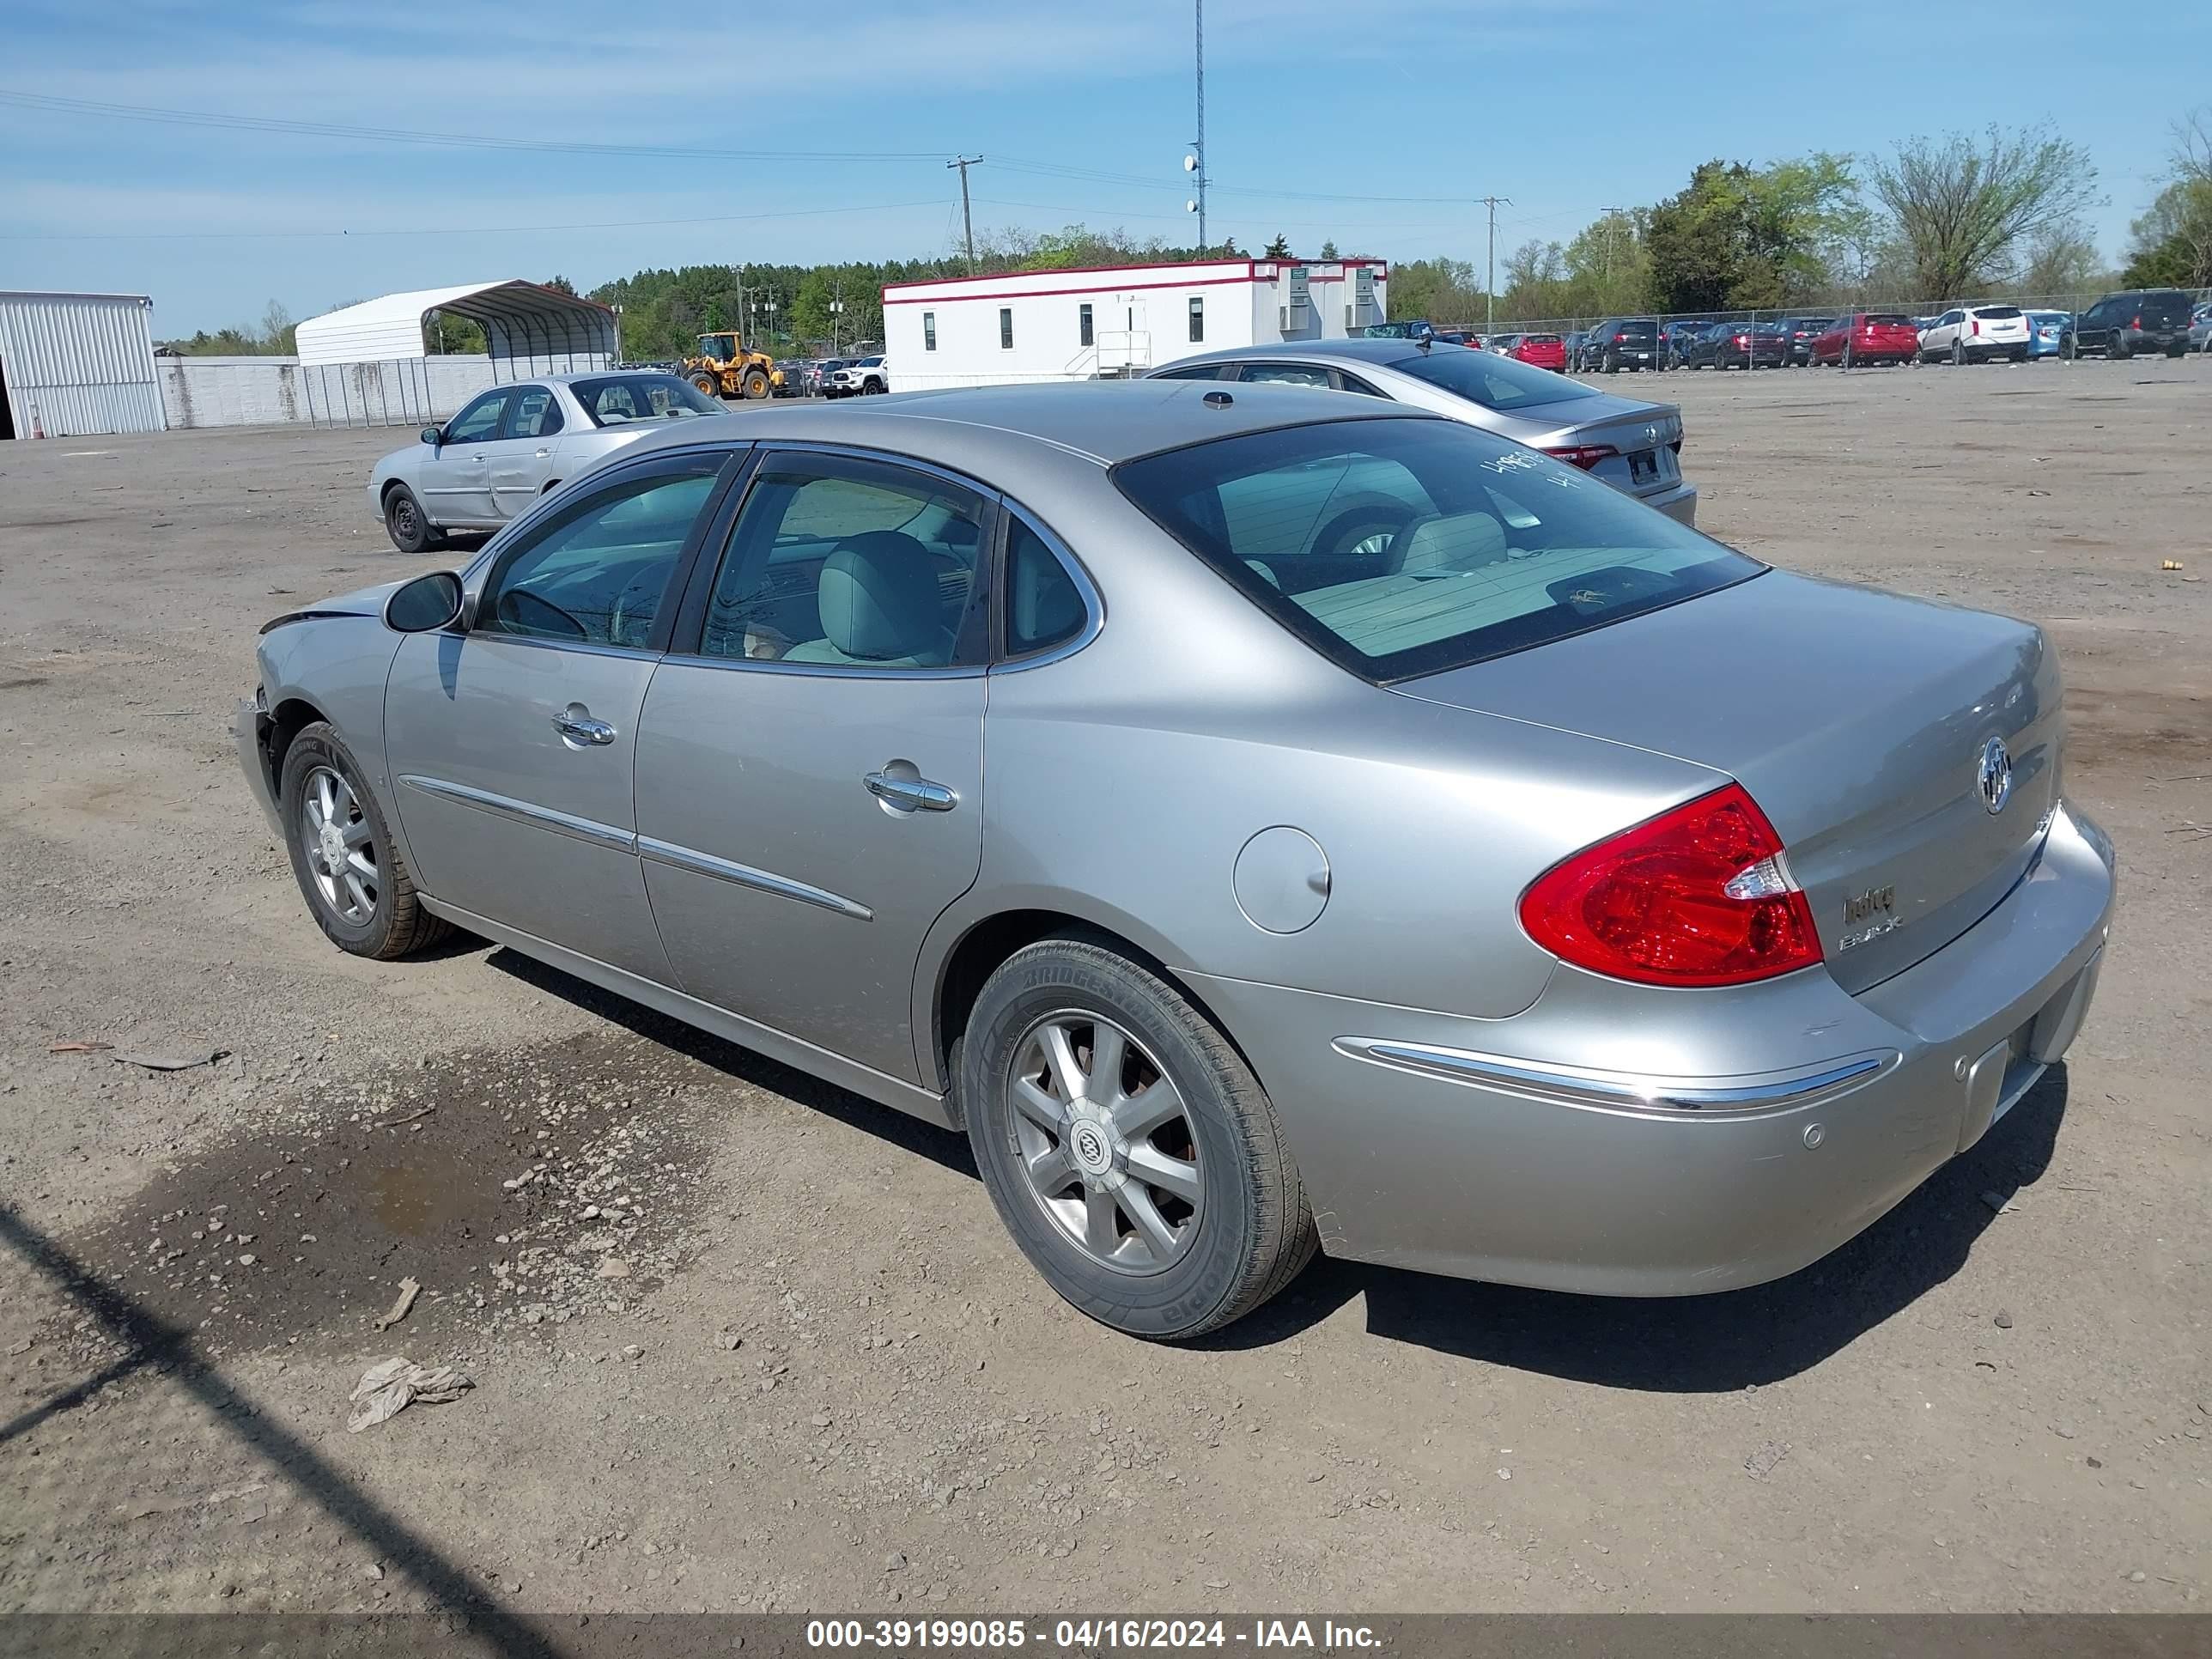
<point>1681,1345</point>
<point>911,1134</point>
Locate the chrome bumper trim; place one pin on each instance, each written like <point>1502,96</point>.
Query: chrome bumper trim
<point>1621,1090</point>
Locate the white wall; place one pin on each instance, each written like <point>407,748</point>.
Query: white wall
<point>1140,319</point>
<point>203,391</point>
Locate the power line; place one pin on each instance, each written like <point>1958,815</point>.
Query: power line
<point>435,140</point>
<point>448,229</point>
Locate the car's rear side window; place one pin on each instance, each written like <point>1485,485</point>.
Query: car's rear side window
<point>1404,547</point>
<point>1492,380</point>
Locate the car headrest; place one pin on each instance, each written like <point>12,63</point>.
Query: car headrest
<point>879,598</point>
<point>1450,541</point>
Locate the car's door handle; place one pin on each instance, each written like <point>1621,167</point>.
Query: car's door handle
<point>545,451</point>
<point>576,724</point>
<point>911,794</point>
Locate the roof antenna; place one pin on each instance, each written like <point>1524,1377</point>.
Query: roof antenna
<point>1426,341</point>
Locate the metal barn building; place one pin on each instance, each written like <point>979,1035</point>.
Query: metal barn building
<point>76,365</point>
<point>1117,320</point>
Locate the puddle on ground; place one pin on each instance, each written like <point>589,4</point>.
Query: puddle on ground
<point>517,1188</point>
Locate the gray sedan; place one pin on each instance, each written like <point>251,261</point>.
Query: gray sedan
<point>514,443</point>
<point>1542,892</point>
<point>1633,445</point>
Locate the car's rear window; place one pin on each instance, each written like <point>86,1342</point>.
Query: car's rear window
<point>1996,313</point>
<point>1398,548</point>
<point>1493,381</point>
<point>1895,317</point>
<point>2165,310</point>
<point>1638,329</point>
<point>620,399</point>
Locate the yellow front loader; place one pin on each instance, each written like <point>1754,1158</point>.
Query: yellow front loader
<point>723,367</point>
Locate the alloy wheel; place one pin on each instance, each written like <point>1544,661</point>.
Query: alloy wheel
<point>1104,1142</point>
<point>334,833</point>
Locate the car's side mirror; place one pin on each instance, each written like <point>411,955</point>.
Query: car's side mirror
<point>425,605</point>
<point>432,436</point>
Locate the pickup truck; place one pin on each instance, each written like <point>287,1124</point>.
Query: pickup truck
<point>861,376</point>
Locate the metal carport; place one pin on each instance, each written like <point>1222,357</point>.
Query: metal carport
<point>530,329</point>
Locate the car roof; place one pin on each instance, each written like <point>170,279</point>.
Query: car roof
<point>1103,422</point>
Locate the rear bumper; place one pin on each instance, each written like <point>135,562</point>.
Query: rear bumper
<point>1615,1143</point>
<point>1680,503</point>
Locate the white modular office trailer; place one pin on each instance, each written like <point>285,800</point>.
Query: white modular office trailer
<point>1119,320</point>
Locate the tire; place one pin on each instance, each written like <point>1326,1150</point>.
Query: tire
<point>2069,351</point>
<point>405,521</point>
<point>1250,1231</point>
<point>1959,358</point>
<point>2177,350</point>
<point>1613,362</point>
<point>319,772</point>
<point>1345,533</point>
<point>707,382</point>
<point>2119,351</point>
<point>753,385</point>
<point>873,388</point>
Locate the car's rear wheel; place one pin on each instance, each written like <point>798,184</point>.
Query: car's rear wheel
<point>1958,355</point>
<point>1127,1145</point>
<point>405,521</point>
<point>2119,351</point>
<point>342,853</point>
<point>2176,350</point>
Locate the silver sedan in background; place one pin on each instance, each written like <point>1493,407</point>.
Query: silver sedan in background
<point>512,444</point>
<point>1633,445</point>
<point>1540,892</point>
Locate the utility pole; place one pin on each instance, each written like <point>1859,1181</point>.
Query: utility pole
<point>967,219</point>
<point>1490,272</point>
<point>1203,245</point>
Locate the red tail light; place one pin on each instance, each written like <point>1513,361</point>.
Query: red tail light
<point>1977,326</point>
<point>2136,322</point>
<point>1621,339</point>
<point>1584,456</point>
<point>1699,896</point>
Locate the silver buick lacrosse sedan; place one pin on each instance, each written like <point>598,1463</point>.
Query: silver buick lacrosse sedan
<point>1534,890</point>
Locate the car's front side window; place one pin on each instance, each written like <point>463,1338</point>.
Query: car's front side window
<point>480,420</point>
<point>844,561</point>
<point>597,573</point>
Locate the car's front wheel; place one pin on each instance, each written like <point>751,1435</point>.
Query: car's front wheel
<point>410,530</point>
<point>343,855</point>
<point>1127,1145</point>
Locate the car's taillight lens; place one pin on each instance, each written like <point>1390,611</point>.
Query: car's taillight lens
<point>1699,896</point>
<point>1621,339</point>
<point>2135,323</point>
<point>1584,456</point>
<point>1977,326</point>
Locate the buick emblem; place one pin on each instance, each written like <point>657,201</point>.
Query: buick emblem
<point>1993,778</point>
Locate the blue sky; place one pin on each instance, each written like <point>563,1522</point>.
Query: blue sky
<point>1318,111</point>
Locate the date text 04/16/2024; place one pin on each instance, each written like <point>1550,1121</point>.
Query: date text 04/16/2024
<point>989,1634</point>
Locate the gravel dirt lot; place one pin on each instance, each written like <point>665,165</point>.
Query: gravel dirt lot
<point>742,1342</point>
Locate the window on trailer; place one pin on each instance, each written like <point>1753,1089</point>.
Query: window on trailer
<point>1006,328</point>
<point>929,330</point>
<point>1197,317</point>
<point>1083,326</point>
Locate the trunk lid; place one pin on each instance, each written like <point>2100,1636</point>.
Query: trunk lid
<point>1857,719</point>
